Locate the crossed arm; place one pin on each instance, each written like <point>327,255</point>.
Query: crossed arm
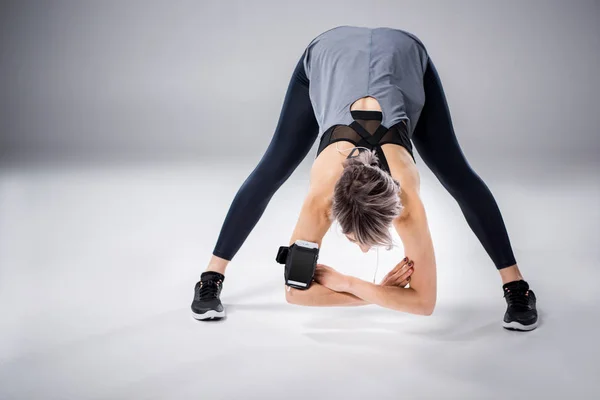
<point>413,230</point>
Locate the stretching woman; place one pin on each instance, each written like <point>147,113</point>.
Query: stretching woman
<point>368,91</point>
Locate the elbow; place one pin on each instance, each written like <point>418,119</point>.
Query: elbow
<point>291,295</point>
<point>428,305</point>
<point>427,309</point>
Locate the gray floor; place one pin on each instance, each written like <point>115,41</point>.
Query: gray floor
<point>97,267</point>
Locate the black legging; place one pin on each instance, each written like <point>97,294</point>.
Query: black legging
<point>433,137</point>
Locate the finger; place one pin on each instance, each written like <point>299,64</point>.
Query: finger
<point>401,279</point>
<point>386,281</point>
<point>405,283</point>
<point>405,268</point>
<point>406,275</point>
<point>389,281</point>
<point>402,263</point>
<point>393,273</point>
<point>402,266</point>
<point>388,276</point>
<point>393,276</point>
<point>398,266</point>
<point>396,276</point>
<point>409,266</point>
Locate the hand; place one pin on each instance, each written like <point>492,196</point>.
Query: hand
<point>331,279</point>
<point>400,275</point>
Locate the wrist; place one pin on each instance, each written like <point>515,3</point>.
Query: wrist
<point>350,284</point>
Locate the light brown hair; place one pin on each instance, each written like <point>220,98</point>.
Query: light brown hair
<point>366,200</point>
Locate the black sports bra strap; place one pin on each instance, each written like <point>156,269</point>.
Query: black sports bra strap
<point>373,139</point>
<point>379,133</point>
<point>358,128</point>
<point>382,160</point>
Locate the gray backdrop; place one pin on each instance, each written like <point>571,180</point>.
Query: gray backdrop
<point>177,80</point>
<point>98,259</point>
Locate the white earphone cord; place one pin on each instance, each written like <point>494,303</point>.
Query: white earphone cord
<point>350,148</point>
<point>376,266</point>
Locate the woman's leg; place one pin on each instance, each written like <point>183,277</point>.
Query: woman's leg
<point>437,145</point>
<point>294,136</point>
<point>436,142</point>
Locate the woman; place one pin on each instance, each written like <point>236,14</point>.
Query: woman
<point>371,90</point>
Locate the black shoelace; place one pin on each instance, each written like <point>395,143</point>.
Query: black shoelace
<point>209,289</point>
<point>517,297</point>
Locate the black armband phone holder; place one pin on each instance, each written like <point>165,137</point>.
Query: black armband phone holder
<point>300,264</point>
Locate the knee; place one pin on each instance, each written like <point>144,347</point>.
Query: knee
<point>460,180</point>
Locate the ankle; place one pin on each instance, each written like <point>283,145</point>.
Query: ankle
<point>510,274</point>
<point>212,268</point>
<point>217,264</point>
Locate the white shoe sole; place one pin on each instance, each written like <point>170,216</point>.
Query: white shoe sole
<point>212,314</point>
<point>514,325</point>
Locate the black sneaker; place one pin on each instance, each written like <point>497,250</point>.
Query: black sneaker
<point>206,304</point>
<point>521,314</point>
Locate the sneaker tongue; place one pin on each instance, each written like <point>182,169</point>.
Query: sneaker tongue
<point>516,286</point>
<point>212,275</point>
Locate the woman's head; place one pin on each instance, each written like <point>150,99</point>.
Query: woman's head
<point>365,201</point>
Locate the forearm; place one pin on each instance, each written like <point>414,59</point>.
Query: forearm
<point>320,296</point>
<point>393,297</point>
